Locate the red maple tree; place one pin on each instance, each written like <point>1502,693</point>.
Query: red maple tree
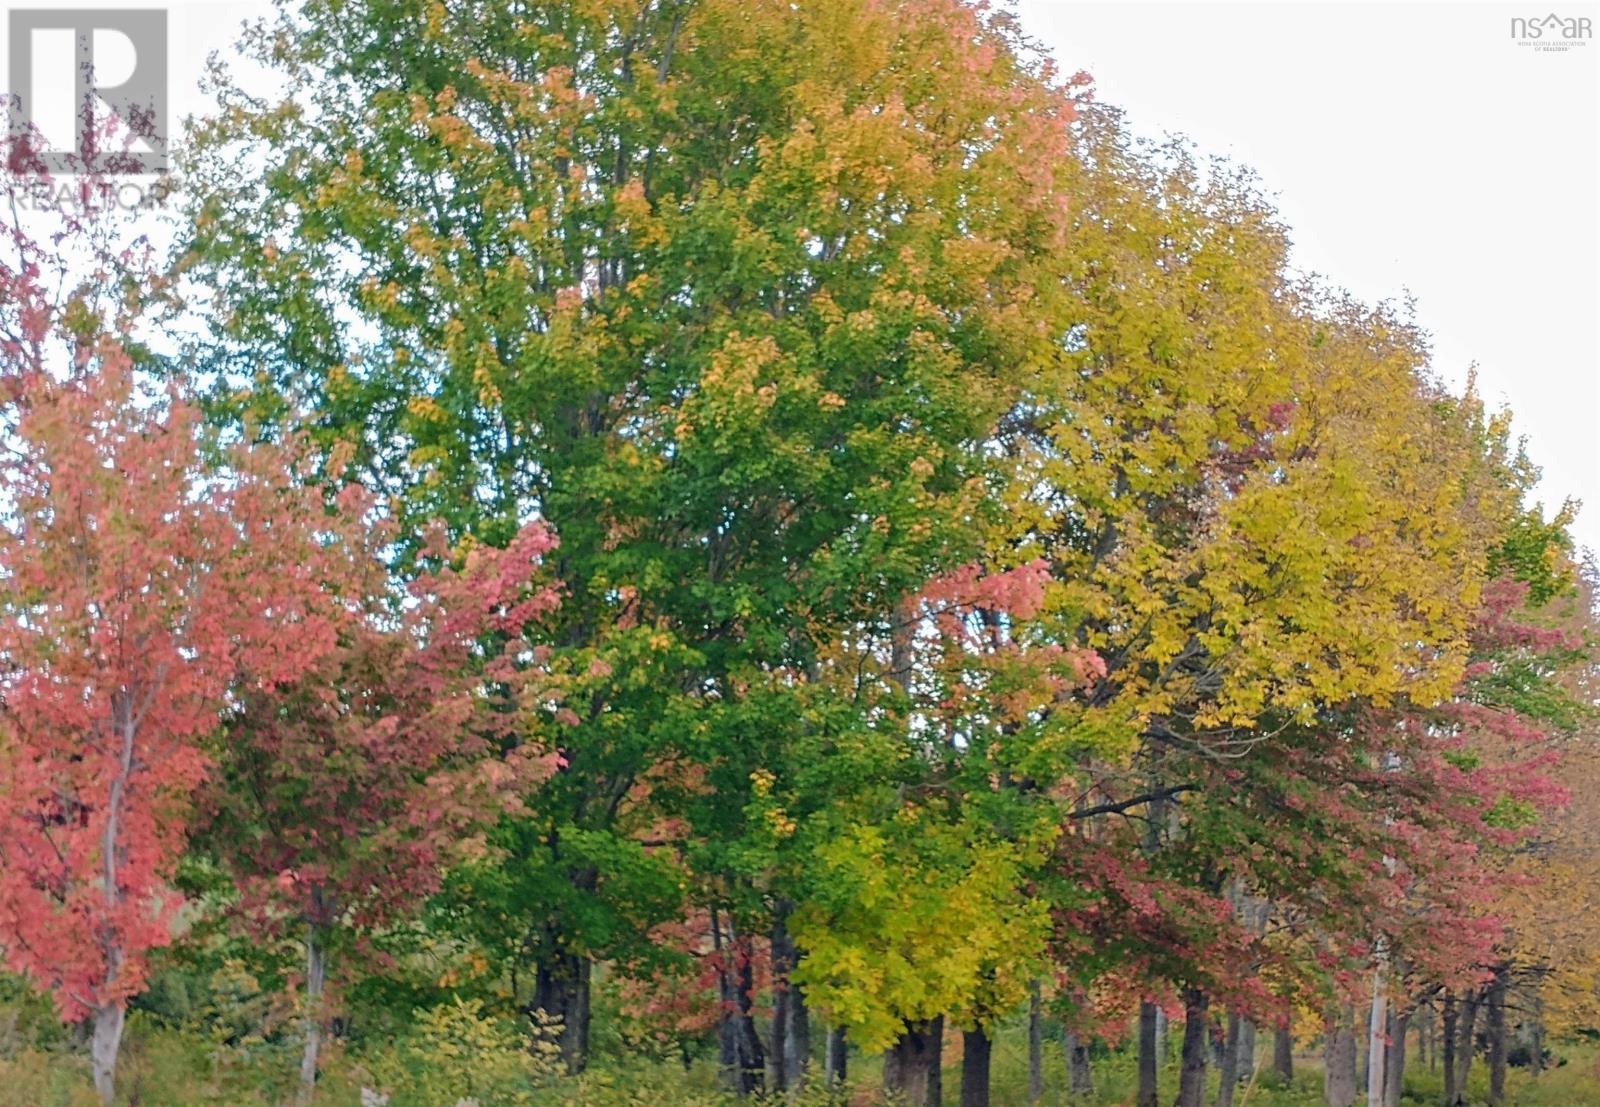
<point>342,794</point>
<point>137,585</point>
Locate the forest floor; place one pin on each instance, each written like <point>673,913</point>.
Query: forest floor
<point>1574,1083</point>
<point>165,1068</point>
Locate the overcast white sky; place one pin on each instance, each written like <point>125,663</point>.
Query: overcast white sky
<point>1410,147</point>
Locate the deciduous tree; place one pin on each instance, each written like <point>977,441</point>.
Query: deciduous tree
<point>138,588</point>
<point>340,796</point>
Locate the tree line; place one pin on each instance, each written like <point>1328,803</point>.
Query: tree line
<point>792,504</point>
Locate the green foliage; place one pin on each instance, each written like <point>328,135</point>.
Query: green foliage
<point>1537,553</point>
<point>967,522</point>
<point>747,376</point>
<point>1522,684</point>
<point>169,1067</point>
<point>456,1051</point>
<point>28,1020</point>
<point>42,1079</point>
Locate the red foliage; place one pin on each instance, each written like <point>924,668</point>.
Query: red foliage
<point>677,998</point>
<point>1381,830</point>
<point>135,590</point>
<point>344,792</point>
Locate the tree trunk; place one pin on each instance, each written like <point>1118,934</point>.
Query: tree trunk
<point>752,1064</point>
<point>727,1041</point>
<point>777,1076</point>
<point>1394,1059</point>
<point>1283,1053</point>
<point>976,1051</point>
<point>742,1064</point>
<point>1228,1070</point>
<point>1247,1051</point>
<point>1149,1066</point>
<point>1466,1041</point>
<point>1497,1037</point>
<point>912,1065</point>
<point>797,1042</point>
<point>790,1052</point>
<point>561,1001</point>
<point>106,1038</point>
<point>316,978</point>
<point>104,1043</point>
<point>1035,1044</point>
<point>1538,1028</point>
<point>1377,1032</point>
<point>1339,1057</point>
<point>835,1066</point>
<point>1192,1074</point>
<point>1447,1046</point>
<point>1080,1081</point>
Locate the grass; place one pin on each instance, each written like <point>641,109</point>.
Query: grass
<point>163,1067</point>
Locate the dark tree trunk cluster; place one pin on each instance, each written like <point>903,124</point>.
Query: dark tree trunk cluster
<point>1460,1029</point>
<point>789,1051</point>
<point>912,1067</point>
<point>561,1003</point>
<point>1080,1080</point>
<point>835,1057</point>
<point>1283,1053</point>
<point>976,1053</point>
<point>741,1061</point>
<point>1497,1036</point>
<point>1394,1063</point>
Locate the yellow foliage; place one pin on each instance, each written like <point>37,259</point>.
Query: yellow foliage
<point>922,918</point>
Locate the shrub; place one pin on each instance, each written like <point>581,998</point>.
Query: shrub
<point>456,1052</point>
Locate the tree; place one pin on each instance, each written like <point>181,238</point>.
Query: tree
<point>340,796</point>
<point>911,880</point>
<point>805,326</point>
<point>1518,730</point>
<point>730,294</point>
<point>141,588</point>
<point>136,589</point>
<point>1258,509</point>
